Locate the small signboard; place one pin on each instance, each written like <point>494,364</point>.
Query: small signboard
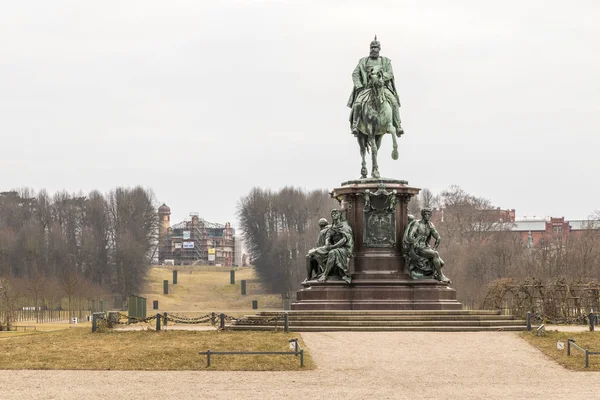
<point>541,330</point>
<point>560,345</point>
<point>211,254</point>
<point>186,235</point>
<point>177,245</point>
<point>188,245</point>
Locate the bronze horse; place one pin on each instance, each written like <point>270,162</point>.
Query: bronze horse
<point>375,121</point>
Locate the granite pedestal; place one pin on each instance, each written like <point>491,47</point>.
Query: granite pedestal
<point>377,211</point>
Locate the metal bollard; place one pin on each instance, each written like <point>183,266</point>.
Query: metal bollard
<point>95,317</point>
<point>165,287</point>
<point>286,323</point>
<point>155,305</point>
<point>587,358</point>
<point>165,316</point>
<point>255,304</point>
<point>174,277</point>
<point>243,286</point>
<point>232,277</point>
<point>528,320</point>
<point>222,321</point>
<point>213,319</point>
<point>113,319</point>
<point>157,322</point>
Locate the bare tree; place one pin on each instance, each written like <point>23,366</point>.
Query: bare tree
<point>70,280</point>
<point>134,224</point>
<point>427,199</point>
<point>279,228</point>
<point>95,236</point>
<point>6,305</point>
<point>414,208</point>
<point>36,285</point>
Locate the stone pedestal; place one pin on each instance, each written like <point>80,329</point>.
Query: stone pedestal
<point>377,211</point>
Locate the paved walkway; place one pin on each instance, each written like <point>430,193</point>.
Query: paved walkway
<point>351,365</point>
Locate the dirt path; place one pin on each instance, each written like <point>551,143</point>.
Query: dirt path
<point>384,365</point>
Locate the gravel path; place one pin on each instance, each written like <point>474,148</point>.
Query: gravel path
<point>351,365</point>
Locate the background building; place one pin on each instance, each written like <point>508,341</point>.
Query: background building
<point>194,241</point>
<point>535,232</point>
<point>540,233</point>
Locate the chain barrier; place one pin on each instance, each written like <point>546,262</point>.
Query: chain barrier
<point>256,321</point>
<point>213,318</point>
<point>178,318</point>
<point>135,319</point>
<point>184,320</point>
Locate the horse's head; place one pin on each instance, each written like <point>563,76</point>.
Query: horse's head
<point>375,78</point>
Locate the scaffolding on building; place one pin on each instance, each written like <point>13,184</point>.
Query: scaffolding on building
<point>197,241</point>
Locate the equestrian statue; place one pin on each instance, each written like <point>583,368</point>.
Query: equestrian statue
<point>374,103</point>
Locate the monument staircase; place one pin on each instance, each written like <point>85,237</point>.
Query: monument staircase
<point>383,320</point>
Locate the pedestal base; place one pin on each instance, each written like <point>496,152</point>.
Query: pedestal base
<point>377,212</point>
<point>377,294</point>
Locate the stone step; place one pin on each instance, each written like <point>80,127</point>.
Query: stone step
<point>295,324</point>
<point>382,312</point>
<point>319,328</point>
<point>310,317</point>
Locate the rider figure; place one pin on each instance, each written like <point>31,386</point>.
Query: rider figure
<point>359,77</point>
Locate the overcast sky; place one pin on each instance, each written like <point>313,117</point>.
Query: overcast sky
<point>202,100</point>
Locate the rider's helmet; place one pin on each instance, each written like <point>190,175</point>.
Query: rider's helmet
<point>375,42</point>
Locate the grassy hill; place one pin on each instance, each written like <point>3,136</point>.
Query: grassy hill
<point>202,289</point>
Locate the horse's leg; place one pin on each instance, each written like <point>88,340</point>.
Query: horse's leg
<point>375,169</point>
<point>395,150</point>
<point>362,144</point>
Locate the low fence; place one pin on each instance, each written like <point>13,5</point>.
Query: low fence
<point>42,316</point>
<point>23,328</point>
<point>54,310</point>
<point>571,343</point>
<point>554,301</point>
<point>215,319</point>
<point>293,342</point>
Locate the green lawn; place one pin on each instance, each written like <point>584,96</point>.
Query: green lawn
<point>149,350</point>
<point>547,345</point>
